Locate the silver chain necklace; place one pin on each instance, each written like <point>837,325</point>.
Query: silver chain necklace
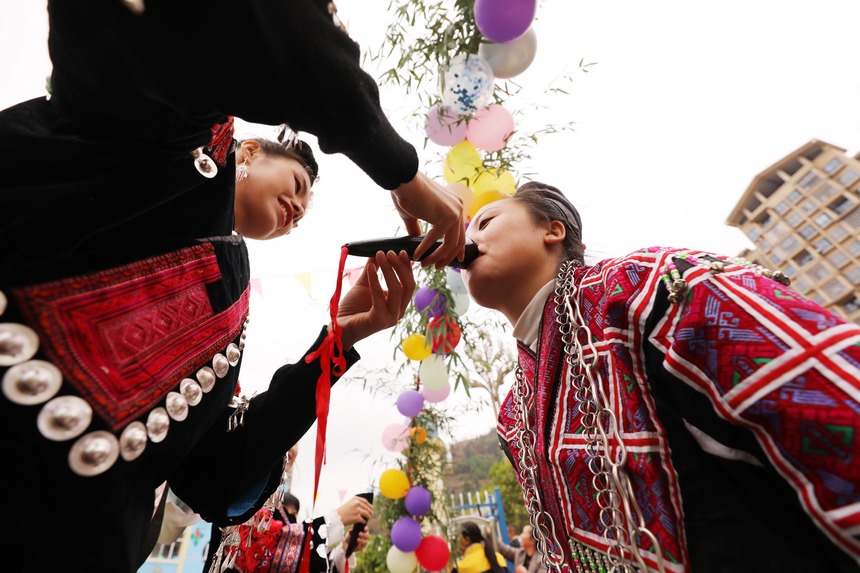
<point>620,516</point>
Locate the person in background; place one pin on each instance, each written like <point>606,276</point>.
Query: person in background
<point>513,536</point>
<point>673,410</point>
<point>525,558</point>
<point>478,552</point>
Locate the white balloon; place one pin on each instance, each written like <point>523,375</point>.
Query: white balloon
<point>511,58</point>
<point>461,302</point>
<point>400,561</point>
<point>454,281</point>
<point>433,372</point>
<point>469,84</point>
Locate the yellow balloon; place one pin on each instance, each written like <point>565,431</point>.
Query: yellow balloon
<point>494,180</point>
<point>394,484</point>
<point>485,199</point>
<point>415,347</point>
<point>462,164</point>
<point>464,193</point>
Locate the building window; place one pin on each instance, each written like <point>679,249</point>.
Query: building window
<point>848,178</point>
<point>841,205</point>
<point>853,246</point>
<point>807,231</point>
<point>754,233</point>
<point>809,180</point>
<point>807,207</point>
<point>794,196</point>
<point>775,258</point>
<point>834,288</point>
<point>818,299</point>
<point>838,259</point>
<point>823,245</point>
<point>803,258</point>
<point>794,219</point>
<point>789,245</point>
<point>790,270</point>
<point>850,304</point>
<point>823,219</point>
<point>801,285</point>
<point>853,275</point>
<point>781,207</point>
<point>838,232</point>
<point>817,271</point>
<point>832,165</point>
<point>853,218</point>
<point>824,192</point>
<point>764,219</point>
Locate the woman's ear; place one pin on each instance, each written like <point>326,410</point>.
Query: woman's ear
<point>555,233</point>
<point>249,149</point>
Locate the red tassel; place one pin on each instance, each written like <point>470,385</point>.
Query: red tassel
<point>331,358</point>
<point>305,563</point>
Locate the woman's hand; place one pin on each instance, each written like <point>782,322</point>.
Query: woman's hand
<point>367,308</point>
<point>363,538</point>
<point>422,198</point>
<point>355,510</point>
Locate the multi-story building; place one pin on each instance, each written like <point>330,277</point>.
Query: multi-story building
<point>802,214</point>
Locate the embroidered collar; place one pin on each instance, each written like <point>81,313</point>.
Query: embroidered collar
<point>528,325</point>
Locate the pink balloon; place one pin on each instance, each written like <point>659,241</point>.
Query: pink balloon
<point>395,437</point>
<point>504,20</point>
<point>434,396</point>
<point>443,126</point>
<point>490,128</point>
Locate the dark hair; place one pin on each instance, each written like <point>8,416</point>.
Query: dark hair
<point>290,499</point>
<point>546,203</point>
<point>472,532</point>
<point>294,149</point>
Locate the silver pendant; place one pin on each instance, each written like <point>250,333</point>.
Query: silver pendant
<point>132,442</point>
<point>94,453</point>
<point>33,382</point>
<point>18,343</point>
<point>204,164</point>
<point>157,424</point>
<point>64,418</point>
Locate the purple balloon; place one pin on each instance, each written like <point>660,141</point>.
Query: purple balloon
<point>406,534</point>
<point>425,297</point>
<point>417,501</point>
<point>410,403</point>
<point>504,20</point>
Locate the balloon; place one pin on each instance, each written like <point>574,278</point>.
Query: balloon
<point>485,199</point>
<point>504,20</point>
<point>401,561</point>
<point>511,58</point>
<point>410,403</point>
<point>393,483</point>
<point>490,128</point>
<point>444,127</point>
<point>433,553</point>
<point>454,279</point>
<point>396,437</point>
<point>494,180</point>
<point>415,347</point>
<point>434,396</point>
<point>463,192</point>
<point>429,298</point>
<point>468,83</point>
<point>419,434</point>
<point>418,501</point>
<point>461,303</point>
<point>433,372</point>
<point>406,534</point>
<point>444,334</point>
<point>462,164</point>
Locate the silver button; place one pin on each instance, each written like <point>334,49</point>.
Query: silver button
<point>177,406</point>
<point>204,164</point>
<point>220,365</point>
<point>132,442</point>
<point>191,390</point>
<point>233,354</point>
<point>18,343</point>
<point>3,302</point>
<point>33,382</point>
<point>94,453</point>
<point>206,377</point>
<point>157,424</point>
<point>64,418</point>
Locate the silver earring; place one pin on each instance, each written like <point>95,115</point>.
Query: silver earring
<point>242,171</point>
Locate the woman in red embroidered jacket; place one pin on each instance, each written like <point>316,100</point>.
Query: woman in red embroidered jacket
<point>673,410</point>
<point>123,289</point>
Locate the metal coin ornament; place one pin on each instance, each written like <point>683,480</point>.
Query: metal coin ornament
<point>512,58</point>
<point>468,84</point>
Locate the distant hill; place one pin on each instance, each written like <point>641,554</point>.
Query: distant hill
<point>471,460</point>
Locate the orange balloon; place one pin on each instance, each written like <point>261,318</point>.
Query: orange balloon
<point>419,434</point>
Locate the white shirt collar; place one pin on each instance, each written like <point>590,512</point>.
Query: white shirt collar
<point>526,329</point>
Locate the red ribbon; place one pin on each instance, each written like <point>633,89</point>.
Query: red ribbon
<point>330,354</point>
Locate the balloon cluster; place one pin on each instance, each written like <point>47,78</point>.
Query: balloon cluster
<point>466,121</point>
<point>409,544</point>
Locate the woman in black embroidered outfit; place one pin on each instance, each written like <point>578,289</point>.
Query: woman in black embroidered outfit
<point>123,291</point>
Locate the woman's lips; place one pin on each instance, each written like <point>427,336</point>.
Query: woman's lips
<point>286,211</point>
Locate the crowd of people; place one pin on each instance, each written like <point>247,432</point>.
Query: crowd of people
<point>673,410</point>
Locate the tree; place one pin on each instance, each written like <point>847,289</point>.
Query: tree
<point>503,477</point>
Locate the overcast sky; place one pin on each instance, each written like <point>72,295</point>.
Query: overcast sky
<point>685,103</point>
